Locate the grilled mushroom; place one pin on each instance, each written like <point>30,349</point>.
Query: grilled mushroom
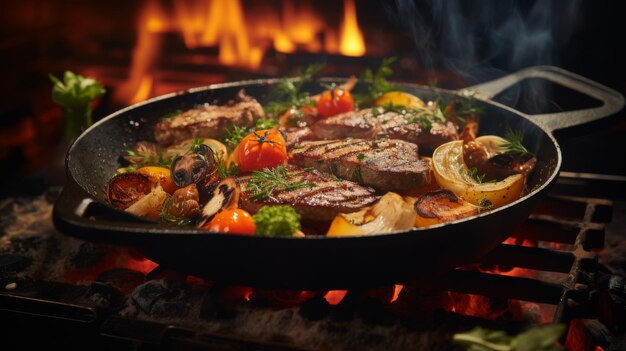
<point>225,195</point>
<point>193,168</point>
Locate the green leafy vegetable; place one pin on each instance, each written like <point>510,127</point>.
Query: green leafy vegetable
<point>538,338</point>
<point>378,82</point>
<point>280,220</point>
<point>75,90</point>
<point>514,144</point>
<point>265,123</point>
<point>263,183</point>
<point>75,94</point>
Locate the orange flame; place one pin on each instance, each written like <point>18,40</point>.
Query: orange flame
<point>241,37</point>
<point>352,43</point>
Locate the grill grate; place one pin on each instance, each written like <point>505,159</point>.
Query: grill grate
<point>560,270</point>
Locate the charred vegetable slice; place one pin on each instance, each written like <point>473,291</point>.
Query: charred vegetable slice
<point>125,189</point>
<point>389,214</point>
<point>194,168</point>
<point>150,205</point>
<point>441,206</point>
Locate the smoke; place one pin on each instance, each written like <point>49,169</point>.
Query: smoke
<point>479,38</point>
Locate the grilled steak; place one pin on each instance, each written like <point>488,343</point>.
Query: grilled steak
<point>367,123</point>
<point>321,198</point>
<point>208,121</point>
<point>294,135</point>
<point>384,164</point>
<point>347,124</point>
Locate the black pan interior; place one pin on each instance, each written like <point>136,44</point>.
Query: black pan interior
<point>310,263</point>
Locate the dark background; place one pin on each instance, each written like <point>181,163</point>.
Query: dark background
<point>453,43</point>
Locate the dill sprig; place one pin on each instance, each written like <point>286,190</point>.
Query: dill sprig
<point>513,144</point>
<point>263,183</point>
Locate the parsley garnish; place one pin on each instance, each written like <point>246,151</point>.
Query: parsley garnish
<point>234,136</point>
<point>361,157</point>
<point>378,82</point>
<point>263,183</point>
<point>286,93</point>
<point>473,173</point>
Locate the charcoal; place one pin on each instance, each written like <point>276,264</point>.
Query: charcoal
<point>87,255</point>
<point>123,279</point>
<point>159,298</point>
<point>13,264</point>
<point>315,309</point>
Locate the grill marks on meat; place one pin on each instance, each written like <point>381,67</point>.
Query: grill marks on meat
<point>366,124</point>
<point>386,165</point>
<point>322,202</point>
<point>208,121</point>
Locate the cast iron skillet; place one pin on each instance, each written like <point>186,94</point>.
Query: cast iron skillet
<point>312,262</point>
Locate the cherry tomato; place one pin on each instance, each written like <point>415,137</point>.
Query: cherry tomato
<point>232,221</point>
<point>160,175</point>
<point>334,102</point>
<point>261,149</point>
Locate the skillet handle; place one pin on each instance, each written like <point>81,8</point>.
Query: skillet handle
<point>76,213</point>
<point>612,101</point>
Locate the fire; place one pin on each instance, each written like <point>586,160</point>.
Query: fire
<point>335,296</point>
<point>352,43</point>
<point>242,35</point>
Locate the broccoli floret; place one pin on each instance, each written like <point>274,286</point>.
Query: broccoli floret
<point>276,221</point>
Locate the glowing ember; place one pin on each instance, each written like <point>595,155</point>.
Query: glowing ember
<point>396,292</point>
<point>335,296</point>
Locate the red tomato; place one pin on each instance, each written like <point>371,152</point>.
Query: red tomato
<point>232,221</point>
<point>334,102</point>
<point>261,149</point>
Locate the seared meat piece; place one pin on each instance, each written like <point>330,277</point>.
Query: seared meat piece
<point>208,121</point>
<point>295,135</point>
<point>367,124</point>
<point>384,164</point>
<point>321,201</point>
<point>394,125</point>
<point>349,124</point>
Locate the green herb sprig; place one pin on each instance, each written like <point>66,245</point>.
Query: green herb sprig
<point>379,83</point>
<point>263,183</point>
<point>286,93</point>
<point>234,135</point>
<point>513,144</point>
<point>538,338</point>
<point>165,216</point>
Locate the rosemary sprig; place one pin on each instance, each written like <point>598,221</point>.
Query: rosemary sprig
<point>165,216</point>
<point>263,183</point>
<point>513,144</point>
